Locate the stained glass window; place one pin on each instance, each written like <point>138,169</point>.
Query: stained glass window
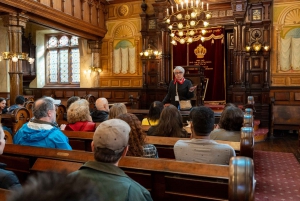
<point>63,60</point>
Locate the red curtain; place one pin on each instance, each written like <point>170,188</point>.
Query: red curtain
<point>213,61</point>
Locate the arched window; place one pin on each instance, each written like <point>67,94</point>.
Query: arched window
<point>62,60</point>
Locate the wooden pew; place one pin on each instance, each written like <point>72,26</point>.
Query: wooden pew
<point>177,180</point>
<point>16,120</point>
<point>4,193</point>
<point>80,140</point>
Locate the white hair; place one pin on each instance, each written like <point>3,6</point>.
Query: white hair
<point>180,68</point>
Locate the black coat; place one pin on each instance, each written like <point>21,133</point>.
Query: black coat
<point>183,92</point>
<point>99,115</point>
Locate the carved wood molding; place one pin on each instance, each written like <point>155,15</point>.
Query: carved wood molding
<point>50,17</point>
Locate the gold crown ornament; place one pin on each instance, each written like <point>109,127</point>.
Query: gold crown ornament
<point>200,51</point>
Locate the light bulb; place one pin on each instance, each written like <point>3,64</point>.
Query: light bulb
<point>192,23</point>
<point>180,25</point>
<point>190,40</point>
<point>203,31</point>
<point>14,58</point>
<point>168,21</point>
<point>202,39</point>
<point>205,24</point>
<point>174,42</point>
<point>193,15</point>
<point>172,34</point>
<point>146,54</point>
<point>208,16</point>
<point>141,53</point>
<point>170,27</point>
<point>180,33</point>
<point>192,32</point>
<point>182,41</point>
<point>179,16</point>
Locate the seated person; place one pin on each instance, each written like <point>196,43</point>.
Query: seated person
<point>137,145</point>
<point>154,113</point>
<point>101,114</point>
<point>49,186</point>
<point>3,107</point>
<point>42,130</point>
<point>71,100</point>
<point>170,124</point>
<point>110,144</point>
<point>8,179</point>
<point>200,148</point>
<point>117,109</point>
<point>79,118</point>
<point>229,127</point>
<point>20,101</point>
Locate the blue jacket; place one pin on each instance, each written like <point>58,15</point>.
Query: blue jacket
<point>52,138</point>
<point>8,179</point>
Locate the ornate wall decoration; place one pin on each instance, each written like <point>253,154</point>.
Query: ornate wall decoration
<point>123,31</point>
<point>123,10</point>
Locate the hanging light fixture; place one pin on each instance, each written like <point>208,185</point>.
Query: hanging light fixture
<point>257,45</point>
<point>184,20</point>
<point>14,57</point>
<point>150,53</point>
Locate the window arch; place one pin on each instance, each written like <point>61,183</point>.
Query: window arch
<point>62,60</point>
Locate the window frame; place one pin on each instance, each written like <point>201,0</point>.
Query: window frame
<point>47,71</point>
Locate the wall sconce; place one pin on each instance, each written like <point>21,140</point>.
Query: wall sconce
<point>150,53</point>
<point>257,46</point>
<point>16,56</point>
<point>95,69</point>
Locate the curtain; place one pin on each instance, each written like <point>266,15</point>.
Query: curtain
<point>213,61</point>
<point>285,49</point>
<point>124,64</point>
<point>295,57</point>
<point>132,65</point>
<point>117,61</point>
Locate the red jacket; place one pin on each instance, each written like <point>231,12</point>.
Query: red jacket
<point>81,126</point>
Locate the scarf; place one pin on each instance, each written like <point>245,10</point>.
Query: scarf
<point>179,81</point>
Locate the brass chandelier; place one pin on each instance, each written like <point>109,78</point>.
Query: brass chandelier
<point>184,20</point>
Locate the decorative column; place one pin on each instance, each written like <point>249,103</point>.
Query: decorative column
<point>239,10</point>
<point>15,23</point>
<point>160,10</point>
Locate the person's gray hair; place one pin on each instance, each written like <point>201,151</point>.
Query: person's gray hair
<point>41,109</point>
<point>180,68</point>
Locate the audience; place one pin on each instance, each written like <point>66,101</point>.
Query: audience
<point>42,130</point>
<point>110,143</point>
<point>117,109</point>
<point>8,180</point>
<point>200,148</point>
<point>102,112</point>
<point>52,186</point>
<point>229,127</point>
<point>154,113</point>
<point>71,100</point>
<point>137,146</point>
<point>170,124</point>
<point>79,118</point>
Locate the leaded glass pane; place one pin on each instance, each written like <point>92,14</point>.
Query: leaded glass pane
<point>52,42</point>
<point>75,59</point>
<point>64,65</point>
<point>64,41</point>
<point>74,41</point>
<point>52,65</point>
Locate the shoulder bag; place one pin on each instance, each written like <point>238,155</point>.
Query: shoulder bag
<point>183,104</point>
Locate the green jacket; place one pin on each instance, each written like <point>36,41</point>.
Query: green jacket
<point>113,183</point>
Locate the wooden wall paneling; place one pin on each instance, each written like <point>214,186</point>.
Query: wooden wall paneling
<point>119,95</point>
<point>105,94</point>
<point>69,94</point>
<point>94,93</point>
<point>47,92</point>
<point>256,79</point>
<point>297,96</point>
<point>282,96</point>
<point>76,10</point>
<point>59,94</point>
<point>81,93</point>
<point>238,98</point>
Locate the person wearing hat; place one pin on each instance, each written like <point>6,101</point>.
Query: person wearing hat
<point>200,148</point>
<point>110,143</point>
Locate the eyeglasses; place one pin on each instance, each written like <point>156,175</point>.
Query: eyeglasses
<point>176,73</point>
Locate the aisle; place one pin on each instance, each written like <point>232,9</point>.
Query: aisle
<point>277,175</point>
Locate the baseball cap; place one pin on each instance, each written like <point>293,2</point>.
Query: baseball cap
<point>112,134</point>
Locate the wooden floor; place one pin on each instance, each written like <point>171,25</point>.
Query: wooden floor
<point>283,141</point>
